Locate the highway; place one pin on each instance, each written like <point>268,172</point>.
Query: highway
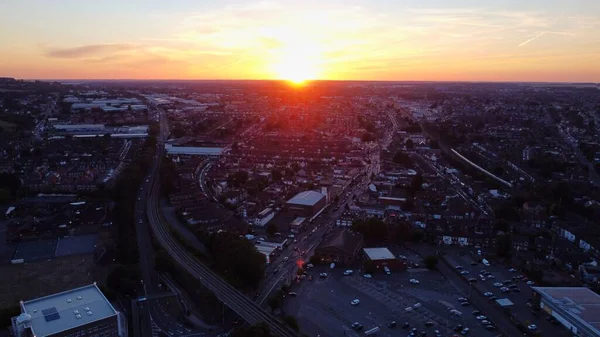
<point>238,302</point>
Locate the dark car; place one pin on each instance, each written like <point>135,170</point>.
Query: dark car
<point>423,333</point>
<point>429,323</point>
<point>465,304</point>
<point>406,325</point>
<point>476,312</point>
<point>356,326</point>
<point>392,324</point>
<point>472,279</point>
<point>458,328</point>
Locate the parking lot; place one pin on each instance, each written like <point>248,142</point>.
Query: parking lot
<point>323,306</point>
<point>500,277</point>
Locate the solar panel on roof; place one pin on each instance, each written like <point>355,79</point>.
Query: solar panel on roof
<point>52,317</point>
<point>49,311</point>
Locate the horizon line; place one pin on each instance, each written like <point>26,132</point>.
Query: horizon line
<point>305,82</point>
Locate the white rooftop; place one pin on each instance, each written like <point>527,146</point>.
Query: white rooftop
<point>66,310</point>
<point>306,198</point>
<point>379,254</point>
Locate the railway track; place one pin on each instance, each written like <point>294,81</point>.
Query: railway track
<point>234,299</point>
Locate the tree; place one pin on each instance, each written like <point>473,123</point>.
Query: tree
<point>418,236</point>
<point>274,302</point>
<point>430,261</point>
<point>401,157</point>
<point>276,175</point>
<point>369,267</point>
<point>291,322</point>
<point>236,259</point>
<point>409,144</point>
<point>258,330</point>
<point>373,229</point>
<point>416,183</point>
<point>367,137</point>
<point>504,245</point>
<point>271,228</point>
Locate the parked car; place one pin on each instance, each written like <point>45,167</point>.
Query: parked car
<point>488,294</point>
<point>414,281</point>
<point>348,272</point>
<point>367,276</point>
<point>392,324</point>
<point>355,301</point>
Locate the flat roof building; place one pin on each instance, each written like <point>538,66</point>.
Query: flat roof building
<point>305,204</point>
<point>381,257</point>
<point>577,308</point>
<point>81,312</point>
<point>193,151</point>
<point>378,254</point>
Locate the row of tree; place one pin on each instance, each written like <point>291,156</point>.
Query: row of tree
<point>237,259</point>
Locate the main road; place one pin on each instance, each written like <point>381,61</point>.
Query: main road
<point>234,299</point>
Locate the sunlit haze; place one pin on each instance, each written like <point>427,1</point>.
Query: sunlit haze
<point>509,40</point>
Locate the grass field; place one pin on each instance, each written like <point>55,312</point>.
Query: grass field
<point>32,280</point>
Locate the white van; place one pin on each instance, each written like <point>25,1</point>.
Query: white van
<point>485,262</point>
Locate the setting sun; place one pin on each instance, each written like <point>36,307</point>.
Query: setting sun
<point>298,63</point>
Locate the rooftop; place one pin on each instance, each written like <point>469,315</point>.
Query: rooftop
<point>379,254</point>
<point>306,198</point>
<point>66,310</point>
<point>342,240</point>
<point>580,303</point>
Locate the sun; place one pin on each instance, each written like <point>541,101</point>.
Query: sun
<point>298,64</point>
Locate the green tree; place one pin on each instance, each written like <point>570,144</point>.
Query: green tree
<point>291,322</point>
<point>236,258</point>
<point>409,144</point>
<point>401,157</point>
<point>369,267</point>
<point>416,183</point>
<point>271,228</point>
<point>276,175</point>
<point>258,330</point>
<point>430,261</point>
<point>373,229</point>
<point>504,245</point>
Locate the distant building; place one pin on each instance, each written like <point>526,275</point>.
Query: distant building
<point>577,308</point>
<point>264,217</point>
<point>193,150</point>
<point>305,204</point>
<point>382,257</point>
<point>80,312</point>
<point>340,246</point>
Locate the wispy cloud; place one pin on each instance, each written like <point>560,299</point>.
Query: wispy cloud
<point>531,39</point>
<point>88,50</point>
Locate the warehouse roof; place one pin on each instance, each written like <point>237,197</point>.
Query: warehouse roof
<point>375,254</point>
<point>306,198</point>
<point>580,303</point>
<point>72,308</point>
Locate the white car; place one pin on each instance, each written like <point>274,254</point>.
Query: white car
<point>348,272</point>
<point>458,267</point>
<point>416,305</point>
<point>323,275</point>
<point>387,270</point>
<point>481,318</point>
<point>355,301</point>
<point>512,270</point>
<point>497,284</point>
<point>488,294</point>
<point>414,281</point>
<point>530,283</point>
<point>408,309</point>
<point>310,265</point>
<point>532,327</point>
<point>367,276</point>
<point>464,272</point>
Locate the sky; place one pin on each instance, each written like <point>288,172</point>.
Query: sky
<point>428,40</point>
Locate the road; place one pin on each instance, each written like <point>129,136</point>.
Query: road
<point>309,240</point>
<point>238,302</point>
